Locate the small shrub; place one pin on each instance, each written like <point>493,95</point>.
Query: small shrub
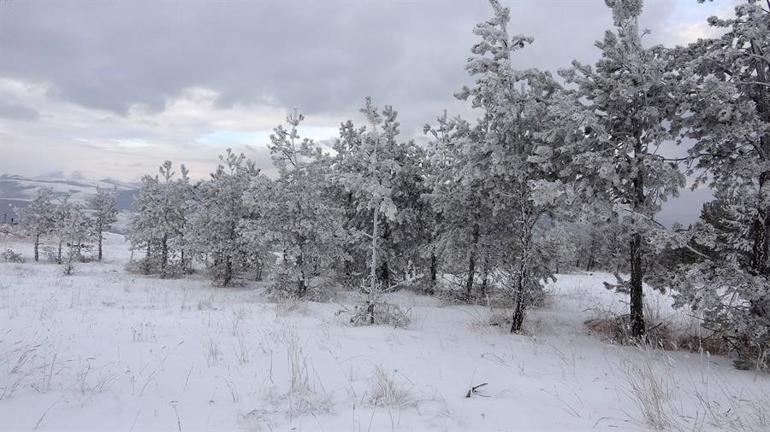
<point>617,329</point>
<point>714,344</point>
<point>50,254</point>
<point>284,288</point>
<point>649,390</point>
<point>387,392</point>
<point>68,267</point>
<point>11,256</point>
<point>379,313</point>
<point>374,310</point>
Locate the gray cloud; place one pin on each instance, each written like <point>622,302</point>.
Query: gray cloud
<point>322,57</point>
<point>17,112</point>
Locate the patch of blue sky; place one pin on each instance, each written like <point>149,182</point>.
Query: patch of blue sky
<point>227,137</point>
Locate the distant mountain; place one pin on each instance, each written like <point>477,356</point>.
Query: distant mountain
<point>16,191</point>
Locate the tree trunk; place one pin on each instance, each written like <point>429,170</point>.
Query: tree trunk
<point>522,288</point>
<point>258,271</point>
<point>163,256</point>
<point>301,284</point>
<point>518,317</point>
<point>472,262</point>
<point>590,262</point>
<point>637,294</point>
<point>58,255</point>
<point>517,320</point>
<point>375,235</point>
<point>37,246</point>
<point>385,273</point>
<point>637,272</point>
<point>228,276</point>
<point>433,270</point>
<point>384,268</point>
<point>99,232</point>
<point>484,275</point>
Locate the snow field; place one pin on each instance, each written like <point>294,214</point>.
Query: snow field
<point>106,350</point>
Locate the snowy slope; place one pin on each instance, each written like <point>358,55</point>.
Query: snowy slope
<point>16,190</point>
<point>105,350</point>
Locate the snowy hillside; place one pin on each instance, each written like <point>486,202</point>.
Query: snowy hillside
<point>16,190</point>
<point>106,350</point>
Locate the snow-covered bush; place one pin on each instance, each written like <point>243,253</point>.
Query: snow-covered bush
<point>374,310</point>
<point>50,254</point>
<point>11,256</point>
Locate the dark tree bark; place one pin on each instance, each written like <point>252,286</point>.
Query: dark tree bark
<point>484,275</point>
<point>517,320</point>
<point>472,262</point>
<point>99,232</point>
<point>385,268</point>
<point>301,284</point>
<point>163,256</point>
<point>638,328</point>
<point>37,246</point>
<point>433,271</point>
<point>637,294</point>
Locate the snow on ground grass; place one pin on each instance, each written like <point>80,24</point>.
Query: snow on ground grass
<point>106,350</point>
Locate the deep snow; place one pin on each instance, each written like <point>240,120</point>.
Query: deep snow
<point>107,350</point>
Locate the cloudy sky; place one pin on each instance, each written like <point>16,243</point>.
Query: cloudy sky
<point>113,88</point>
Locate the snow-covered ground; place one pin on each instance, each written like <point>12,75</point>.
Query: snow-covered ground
<point>107,350</point>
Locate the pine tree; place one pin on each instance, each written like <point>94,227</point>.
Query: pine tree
<point>503,166</point>
<point>729,102</point>
<point>105,212</point>
<point>160,221</point>
<point>218,226</point>
<point>372,151</point>
<point>295,211</point>
<point>38,217</point>
<point>623,112</point>
<point>72,229</point>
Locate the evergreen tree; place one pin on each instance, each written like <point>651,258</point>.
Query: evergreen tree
<point>624,110</point>
<point>105,212</point>
<point>505,164</point>
<point>218,224</point>
<point>366,168</point>
<point>295,211</point>
<point>38,217</point>
<point>729,102</point>
<point>72,229</point>
<point>160,222</point>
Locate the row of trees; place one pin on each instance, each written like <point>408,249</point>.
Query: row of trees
<point>71,224</point>
<point>489,198</point>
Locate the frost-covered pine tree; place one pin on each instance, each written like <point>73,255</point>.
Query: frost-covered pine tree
<point>730,125</point>
<point>372,150</point>
<point>621,116</point>
<point>160,219</point>
<point>295,212</point>
<point>142,223</point>
<point>506,162</point>
<point>105,212</point>
<point>73,229</point>
<point>37,218</point>
<point>402,234</point>
<point>217,226</point>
